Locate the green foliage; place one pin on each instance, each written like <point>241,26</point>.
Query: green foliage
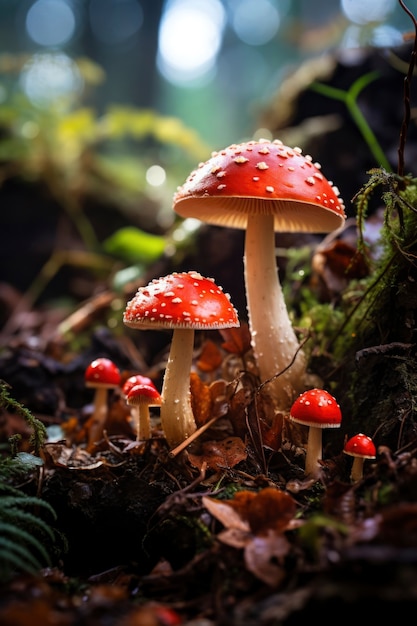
<point>350,98</point>
<point>25,537</point>
<point>135,246</point>
<point>38,436</point>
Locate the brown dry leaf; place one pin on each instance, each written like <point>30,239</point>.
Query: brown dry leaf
<point>334,265</point>
<point>224,513</point>
<point>271,509</point>
<point>220,454</point>
<point>272,433</point>
<point>219,398</point>
<point>60,455</point>
<point>200,400</point>
<point>210,357</point>
<point>255,522</point>
<point>264,557</point>
<point>236,340</point>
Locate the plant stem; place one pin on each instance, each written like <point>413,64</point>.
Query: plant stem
<point>350,98</point>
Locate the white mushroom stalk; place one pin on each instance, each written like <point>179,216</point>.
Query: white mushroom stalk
<point>274,341</point>
<point>177,418</point>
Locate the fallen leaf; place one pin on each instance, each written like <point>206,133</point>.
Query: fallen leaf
<point>236,340</point>
<point>200,399</point>
<point>210,357</point>
<point>220,454</point>
<point>264,557</point>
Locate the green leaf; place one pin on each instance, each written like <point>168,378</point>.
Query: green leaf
<point>135,246</point>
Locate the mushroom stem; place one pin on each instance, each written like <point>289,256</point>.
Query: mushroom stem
<point>176,413</point>
<point>273,338</point>
<point>141,419</point>
<point>356,473</point>
<point>99,415</point>
<point>314,451</point>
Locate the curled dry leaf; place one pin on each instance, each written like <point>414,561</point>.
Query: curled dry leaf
<point>200,400</point>
<point>219,455</point>
<point>236,340</point>
<point>210,357</point>
<point>256,522</point>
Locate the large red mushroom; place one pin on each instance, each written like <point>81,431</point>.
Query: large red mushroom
<point>183,302</point>
<point>264,186</point>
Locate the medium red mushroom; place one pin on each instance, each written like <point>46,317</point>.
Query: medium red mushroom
<point>102,375</point>
<point>140,397</point>
<point>361,447</point>
<point>317,409</point>
<point>264,186</point>
<point>183,302</point>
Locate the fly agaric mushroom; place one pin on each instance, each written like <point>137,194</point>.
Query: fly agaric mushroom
<point>361,447</point>
<point>317,409</point>
<point>184,302</point>
<point>136,379</point>
<point>264,186</point>
<point>140,397</point>
<point>102,374</point>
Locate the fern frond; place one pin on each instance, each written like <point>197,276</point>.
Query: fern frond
<point>20,535</point>
<point>10,549</point>
<point>11,562</point>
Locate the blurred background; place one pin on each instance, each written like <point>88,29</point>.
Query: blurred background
<point>107,105</point>
<point>212,63</point>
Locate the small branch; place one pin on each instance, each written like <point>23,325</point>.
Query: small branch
<point>407,84</point>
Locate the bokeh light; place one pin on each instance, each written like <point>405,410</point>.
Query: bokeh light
<point>190,38</point>
<point>255,23</point>
<point>49,77</point>
<point>367,11</point>
<point>50,22</point>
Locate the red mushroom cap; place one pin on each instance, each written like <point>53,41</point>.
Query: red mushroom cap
<point>136,379</point>
<point>102,372</point>
<point>181,300</point>
<point>360,445</point>
<point>261,177</point>
<point>143,394</point>
<point>316,407</point>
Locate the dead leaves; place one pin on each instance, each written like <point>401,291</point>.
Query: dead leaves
<point>220,455</point>
<point>256,522</point>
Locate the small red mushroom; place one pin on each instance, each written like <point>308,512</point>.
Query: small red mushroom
<point>136,379</point>
<point>140,398</point>
<point>361,447</point>
<point>183,302</point>
<point>102,374</point>
<point>264,186</point>
<point>317,409</point>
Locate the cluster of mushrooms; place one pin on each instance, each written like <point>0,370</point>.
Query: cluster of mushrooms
<point>263,187</point>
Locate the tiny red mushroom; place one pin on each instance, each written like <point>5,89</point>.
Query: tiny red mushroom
<point>361,447</point>
<point>317,409</point>
<point>140,397</point>
<point>265,186</point>
<point>136,379</point>
<point>102,374</point>
<point>183,302</point>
